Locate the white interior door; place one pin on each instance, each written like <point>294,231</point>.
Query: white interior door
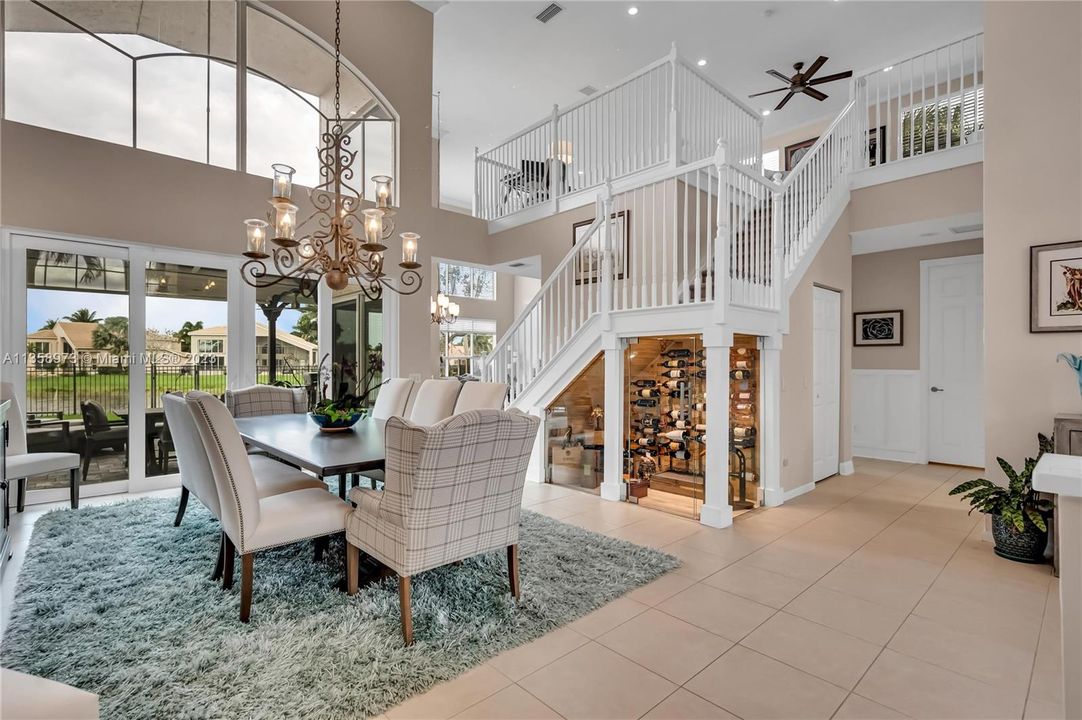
<point>826,381</point>
<point>953,341</point>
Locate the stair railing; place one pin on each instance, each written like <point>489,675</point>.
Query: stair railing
<point>667,113</point>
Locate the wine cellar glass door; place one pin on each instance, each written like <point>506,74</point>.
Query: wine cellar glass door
<point>665,457</point>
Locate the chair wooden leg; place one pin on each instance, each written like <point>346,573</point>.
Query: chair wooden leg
<point>228,553</point>
<point>218,567</point>
<point>404,605</point>
<point>183,506</point>
<point>512,570</point>
<point>20,495</point>
<point>75,478</point>
<point>245,586</point>
<point>353,567</point>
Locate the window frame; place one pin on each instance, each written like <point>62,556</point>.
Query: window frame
<point>469,281</point>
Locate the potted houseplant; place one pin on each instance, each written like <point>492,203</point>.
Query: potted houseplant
<point>1018,514</point>
<point>336,408</point>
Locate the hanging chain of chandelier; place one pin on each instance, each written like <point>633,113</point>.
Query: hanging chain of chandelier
<point>340,240</point>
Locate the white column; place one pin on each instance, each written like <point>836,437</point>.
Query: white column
<point>137,368</point>
<point>613,487</point>
<point>240,343</point>
<point>536,469</point>
<point>770,420</point>
<point>1062,475</point>
<point>716,510</point>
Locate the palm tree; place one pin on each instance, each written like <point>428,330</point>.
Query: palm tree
<point>184,335</point>
<point>307,325</point>
<point>112,335</point>
<point>83,315</point>
<point>49,324</point>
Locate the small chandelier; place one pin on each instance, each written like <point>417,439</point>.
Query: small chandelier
<point>444,312</point>
<point>344,241</point>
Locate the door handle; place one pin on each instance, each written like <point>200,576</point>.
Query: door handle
<point>936,389</point>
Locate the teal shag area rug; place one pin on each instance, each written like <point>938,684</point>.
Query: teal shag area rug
<point>114,600</point>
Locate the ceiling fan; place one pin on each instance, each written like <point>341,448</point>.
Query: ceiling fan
<point>802,81</point>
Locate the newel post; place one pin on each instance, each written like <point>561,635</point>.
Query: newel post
<point>721,240</point>
<point>674,114</point>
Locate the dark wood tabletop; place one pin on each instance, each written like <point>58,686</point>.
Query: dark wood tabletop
<point>297,439</point>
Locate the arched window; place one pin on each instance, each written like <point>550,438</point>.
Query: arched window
<point>166,77</point>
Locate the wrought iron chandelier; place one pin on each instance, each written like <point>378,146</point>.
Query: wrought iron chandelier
<point>444,312</point>
<point>330,250</point>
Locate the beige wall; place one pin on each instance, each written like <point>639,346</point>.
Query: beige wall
<point>779,141</point>
<point>832,268</point>
<point>54,182</point>
<point>1032,192</point>
<point>945,193</point>
<point>891,281</point>
<point>549,237</point>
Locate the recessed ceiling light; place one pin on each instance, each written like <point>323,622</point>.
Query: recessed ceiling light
<point>702,62</point>
<point>632,10</point>
<point>765,113</point>
<point>888,68</point>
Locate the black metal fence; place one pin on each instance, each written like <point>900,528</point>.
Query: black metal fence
<point>57,391</point>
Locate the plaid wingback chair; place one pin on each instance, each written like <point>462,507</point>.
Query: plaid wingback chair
<point>265,400</point>
<point>453,490</point>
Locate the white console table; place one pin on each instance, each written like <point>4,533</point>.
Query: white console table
<point>1062,475</point>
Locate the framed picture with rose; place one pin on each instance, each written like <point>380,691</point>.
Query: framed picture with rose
<point>883,327</point>
<point>1055,284</point>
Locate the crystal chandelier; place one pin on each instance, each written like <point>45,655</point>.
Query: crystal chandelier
<point>444,312</point>
<point>343,241</point>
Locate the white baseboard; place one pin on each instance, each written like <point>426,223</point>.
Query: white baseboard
<point>798,491</point>
<point>716,516</point>
<point>612,491</point>
<point>773,497</point>
<point>906,456</point>
<point>846,468</point>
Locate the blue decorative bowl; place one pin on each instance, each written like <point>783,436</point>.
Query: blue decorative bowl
<point>327,425</point>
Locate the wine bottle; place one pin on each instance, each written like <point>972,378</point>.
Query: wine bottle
<point>741,396</point>
<point>698,364</point>
<point>743,431</point>
<point>675,435</point>
<point>675,446</point>
<point>646,402</point>
<point>676,384</point>
<point>699,407</point>
<point>685,425</point>
<point>677,353</point>
<point>740,374</point>
<point>673,364</point>
<point>682,455</point>
<point>740,351</point>
<point>645,383</point>
<point>745,364</point>
<point>701,374</point>
<point>645,441</point>
<point>700,353</point>
<point>647,421</point>
<point>674,374</point>
<point>674,414</point>
<point>646,393</point>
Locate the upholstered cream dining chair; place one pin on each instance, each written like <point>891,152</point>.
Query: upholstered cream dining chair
<point>22,464</point>
<point>481,396</point>
<point>266,400</point>
<point>453,490</point>
<point>392,398</point>
<point>252,523</point>
<point>433,401</point>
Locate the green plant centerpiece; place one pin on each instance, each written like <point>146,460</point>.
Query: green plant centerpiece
<point>343,397</point>
<point>1019,525</point>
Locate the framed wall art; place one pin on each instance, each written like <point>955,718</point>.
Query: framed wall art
<point>883,327</point>
<point>588,264</point>
<point>1055,284</point>
<point>794,152</point>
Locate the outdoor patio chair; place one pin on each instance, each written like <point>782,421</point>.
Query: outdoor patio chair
<point>101,433</point>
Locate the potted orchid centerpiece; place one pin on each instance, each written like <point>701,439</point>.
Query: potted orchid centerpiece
<point>344,395</point>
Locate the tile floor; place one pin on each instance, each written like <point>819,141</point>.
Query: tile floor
<point>875,596</point>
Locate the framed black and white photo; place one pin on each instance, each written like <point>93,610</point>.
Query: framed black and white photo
<point>588,263</point>
<point>877,328</point>
<point>877,151</point>
<point>1055,285</point>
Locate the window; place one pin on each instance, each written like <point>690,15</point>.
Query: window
<point>925,129</point>
<point>162,77</point>
<point>772,161</point>
<point>467,281</point>
<point>37,348</point>
<point>210,346</point>
<point>464,345</point>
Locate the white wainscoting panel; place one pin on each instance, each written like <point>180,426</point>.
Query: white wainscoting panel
<point>887,421</point>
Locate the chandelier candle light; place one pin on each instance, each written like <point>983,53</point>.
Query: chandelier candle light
<point>444,312</point>
<point>330,249</point>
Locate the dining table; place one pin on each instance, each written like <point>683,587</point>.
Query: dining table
<point>296,439</point>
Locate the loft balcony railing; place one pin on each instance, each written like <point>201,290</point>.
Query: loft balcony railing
<point>923,104</point>
<point>666,114</point>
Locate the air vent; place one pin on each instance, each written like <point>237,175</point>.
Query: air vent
<point>550,12</point>
<point>963,229</point>
<point>587,90</point>
<point>929,234</point>
<point>517,265</point>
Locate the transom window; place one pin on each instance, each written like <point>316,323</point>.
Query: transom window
<point>165,76</point>
<point>467,281</point>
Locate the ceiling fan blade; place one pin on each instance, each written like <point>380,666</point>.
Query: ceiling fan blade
<point>832,78</point>
<point>779,76</point>
<point>784,100</point>
<point>767,92</point>
<point>812,92</point>
<point>814,67</point>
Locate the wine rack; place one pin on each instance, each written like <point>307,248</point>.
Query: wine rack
<point>743,419</point>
